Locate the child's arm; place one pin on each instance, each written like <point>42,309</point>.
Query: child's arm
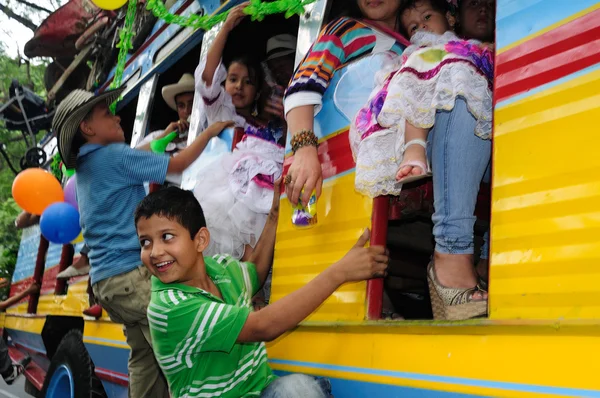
<point>358,264</point>
<point>262,256</point>
<point>213,58</point>
<point>179,163</point>
<point>33,288</point>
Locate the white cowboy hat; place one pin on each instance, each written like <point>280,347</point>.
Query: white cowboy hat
<point>69,114</point>
<point>184,85</point>
<point>280,46</point>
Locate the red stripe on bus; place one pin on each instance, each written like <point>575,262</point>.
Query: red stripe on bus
<point>553,55</point>
<point>335,156</point>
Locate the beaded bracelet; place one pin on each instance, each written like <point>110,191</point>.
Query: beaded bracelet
<point>304,138</point>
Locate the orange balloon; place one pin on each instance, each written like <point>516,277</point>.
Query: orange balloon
<point>35,189</point>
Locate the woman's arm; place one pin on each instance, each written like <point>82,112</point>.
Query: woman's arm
<point>215,53</point>
<point>303,97</point>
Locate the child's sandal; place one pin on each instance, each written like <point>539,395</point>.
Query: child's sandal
<point>415,163</point>
<point>453,304</point>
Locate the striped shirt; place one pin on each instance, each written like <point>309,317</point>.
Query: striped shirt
<point>110,184</point>
<point>194,334</point>
<point>339,43</point>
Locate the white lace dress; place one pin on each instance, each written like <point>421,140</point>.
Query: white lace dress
<point>435,70</point>
<point>235,189</point>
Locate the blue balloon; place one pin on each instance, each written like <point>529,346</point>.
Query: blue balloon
<point>60,223</point>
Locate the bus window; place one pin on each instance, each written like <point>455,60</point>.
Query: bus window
<point>127,115</point>
<point>162,114</point>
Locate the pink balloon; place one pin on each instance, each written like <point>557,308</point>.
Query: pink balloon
<point>70,191</point>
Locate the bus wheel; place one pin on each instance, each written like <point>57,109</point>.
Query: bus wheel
<point>71,373</point>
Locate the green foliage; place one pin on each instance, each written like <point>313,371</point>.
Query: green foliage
<point>31,76</point>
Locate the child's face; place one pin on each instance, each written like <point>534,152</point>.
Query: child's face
<point>102,127</point>
<point>241,86</point>
<point>169,252</point>
<point>185,103</point>
<point>424,17</point>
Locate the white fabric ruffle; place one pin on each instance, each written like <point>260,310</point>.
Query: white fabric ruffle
<point>218,106</point>
<point>377,161</point>
<point>417,100</point>
<point>234,205</point>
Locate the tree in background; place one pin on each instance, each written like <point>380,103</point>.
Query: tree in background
<point>32,76</point>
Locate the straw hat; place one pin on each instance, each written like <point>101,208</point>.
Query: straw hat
<point>280,46</point>
<point>69,114</point>
<point>184,85</point>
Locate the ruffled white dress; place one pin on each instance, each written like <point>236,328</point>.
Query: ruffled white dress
<point>434,70</point>
<point>235,189</point>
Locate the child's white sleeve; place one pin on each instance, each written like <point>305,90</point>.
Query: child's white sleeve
<point>218,106</point>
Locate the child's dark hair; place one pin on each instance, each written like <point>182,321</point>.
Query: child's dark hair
<point>254,70</point>
<point>175,204</point>
<point>438,5</point>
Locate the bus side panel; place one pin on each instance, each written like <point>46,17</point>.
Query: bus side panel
<point>546,189</point>
<point>343,214</point>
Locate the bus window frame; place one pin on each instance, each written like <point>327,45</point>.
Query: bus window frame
<point>144,109</point>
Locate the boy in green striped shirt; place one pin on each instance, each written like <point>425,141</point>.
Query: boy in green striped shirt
<point>206,337</point>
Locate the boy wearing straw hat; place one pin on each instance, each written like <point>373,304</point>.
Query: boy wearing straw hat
<point>110,184</point>
<point>180,98</point>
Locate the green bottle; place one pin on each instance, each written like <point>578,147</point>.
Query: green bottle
<point>160,145</point>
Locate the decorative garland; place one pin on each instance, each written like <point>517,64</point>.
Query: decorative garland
<point>257,10</point>
<point>124,46</point>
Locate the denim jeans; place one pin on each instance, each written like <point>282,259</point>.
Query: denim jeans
<point>298,386</point>
<point>459,160</point>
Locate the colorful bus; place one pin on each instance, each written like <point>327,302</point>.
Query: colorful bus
<point>542,334</point>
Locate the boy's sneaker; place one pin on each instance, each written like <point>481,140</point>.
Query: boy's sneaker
<point>17,370</point>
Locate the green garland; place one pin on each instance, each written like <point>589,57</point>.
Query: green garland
<point>55,168</point>
<point>124,46</point>
<point>257,9</point>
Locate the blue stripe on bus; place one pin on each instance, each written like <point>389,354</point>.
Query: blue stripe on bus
<point>446,379</point>
<point>517,19</point>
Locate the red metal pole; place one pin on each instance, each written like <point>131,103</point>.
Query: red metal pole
<point>38,273</point>
<point>66,259</point>
<point>379,226</point>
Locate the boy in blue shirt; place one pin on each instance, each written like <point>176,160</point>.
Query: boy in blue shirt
<point>207,339</point>
<point>110,184</point>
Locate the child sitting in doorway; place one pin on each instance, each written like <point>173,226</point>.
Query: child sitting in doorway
<point>388,136</point>
<point>201,321</point>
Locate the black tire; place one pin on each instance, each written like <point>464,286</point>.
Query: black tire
<point>30,389</point>
<point>71,353</point>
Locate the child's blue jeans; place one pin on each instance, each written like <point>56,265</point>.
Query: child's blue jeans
<point>298,386</point>
<point>459,160</point>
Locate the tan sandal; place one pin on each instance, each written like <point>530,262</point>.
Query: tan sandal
<point>453,304</point>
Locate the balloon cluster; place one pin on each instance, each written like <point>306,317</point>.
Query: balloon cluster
<point>38,192</point>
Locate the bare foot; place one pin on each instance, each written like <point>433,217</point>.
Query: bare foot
<point>413,156</point>
<point>457,271</point>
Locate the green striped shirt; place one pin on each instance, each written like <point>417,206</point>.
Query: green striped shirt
<point>194,334</point>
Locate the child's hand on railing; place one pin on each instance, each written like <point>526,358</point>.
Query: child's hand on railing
<point>361,263</point>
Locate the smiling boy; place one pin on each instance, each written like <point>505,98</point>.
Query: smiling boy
<point>206,338</point>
